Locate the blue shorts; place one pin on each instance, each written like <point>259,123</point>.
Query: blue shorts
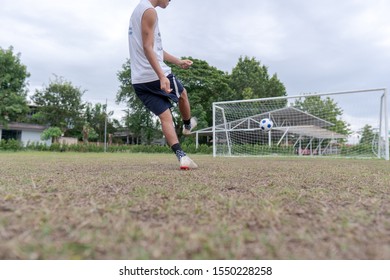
<point>157,100</point>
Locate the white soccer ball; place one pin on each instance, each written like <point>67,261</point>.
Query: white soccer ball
<point>266,124</point>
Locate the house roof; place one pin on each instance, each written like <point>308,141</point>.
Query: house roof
<point>24,126</point>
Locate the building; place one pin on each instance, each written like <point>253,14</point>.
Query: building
<point>24,132</point>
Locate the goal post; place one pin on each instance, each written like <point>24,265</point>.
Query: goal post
<point>336,124</point>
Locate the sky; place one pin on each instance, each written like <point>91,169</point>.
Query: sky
<point>313,46</point>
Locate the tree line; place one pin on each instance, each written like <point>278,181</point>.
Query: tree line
<point>59,104</point>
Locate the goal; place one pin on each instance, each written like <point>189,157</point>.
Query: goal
<point>338,124</point>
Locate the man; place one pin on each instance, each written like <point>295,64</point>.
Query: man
<point>152,79</point>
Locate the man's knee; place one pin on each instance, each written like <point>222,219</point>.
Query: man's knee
<point>166,116</point>
<point>183,95</point>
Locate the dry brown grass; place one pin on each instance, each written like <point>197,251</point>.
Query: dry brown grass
<point>132,206</point>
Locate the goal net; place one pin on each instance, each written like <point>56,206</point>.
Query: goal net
<point>340,124</point>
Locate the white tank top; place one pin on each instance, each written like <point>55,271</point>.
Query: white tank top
<point>141,70</point>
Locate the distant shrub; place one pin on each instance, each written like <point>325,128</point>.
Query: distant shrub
<point>11,145</point>
<point>55,147</point>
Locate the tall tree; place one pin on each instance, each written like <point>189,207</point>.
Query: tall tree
<point>250,79</point>
<point>60,105</point>
<point>368,135</point>
<point>13,92</point>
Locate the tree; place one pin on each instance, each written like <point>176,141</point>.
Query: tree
<point>60,105</point>
<point>205,84</point>
<point>13,93</point>
<point>51,133</point>
<point>368,135</point>
<point>95,121</point>
<point>250,79</point>
<point>328,110</point>
<point>89,133</point>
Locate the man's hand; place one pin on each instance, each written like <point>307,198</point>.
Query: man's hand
<point>165,84</point>
<point>185,63</point>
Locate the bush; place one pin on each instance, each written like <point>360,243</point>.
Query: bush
<point>55,147</point>
<point>37,146</point>
<point>11,145</point>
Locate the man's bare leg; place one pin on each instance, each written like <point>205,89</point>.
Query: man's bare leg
<point>173,141</point>
<point>167,128</point>
<point>185,111</point>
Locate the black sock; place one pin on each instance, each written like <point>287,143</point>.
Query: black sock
<point>187,122</point>
<point>176,148</point>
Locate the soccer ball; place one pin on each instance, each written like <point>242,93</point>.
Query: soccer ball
<point>266,124</point>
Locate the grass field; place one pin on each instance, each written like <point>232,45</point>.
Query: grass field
<point>140,206</point>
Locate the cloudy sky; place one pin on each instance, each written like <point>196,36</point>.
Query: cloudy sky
<point>313,46</point>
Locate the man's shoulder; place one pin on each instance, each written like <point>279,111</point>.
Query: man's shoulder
<point>144,5</point>
<point>142,8</point>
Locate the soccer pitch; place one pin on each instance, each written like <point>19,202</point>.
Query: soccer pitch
<point>141,206</point>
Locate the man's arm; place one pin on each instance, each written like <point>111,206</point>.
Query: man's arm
<point>183,63</point>
<point>148,23</point>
